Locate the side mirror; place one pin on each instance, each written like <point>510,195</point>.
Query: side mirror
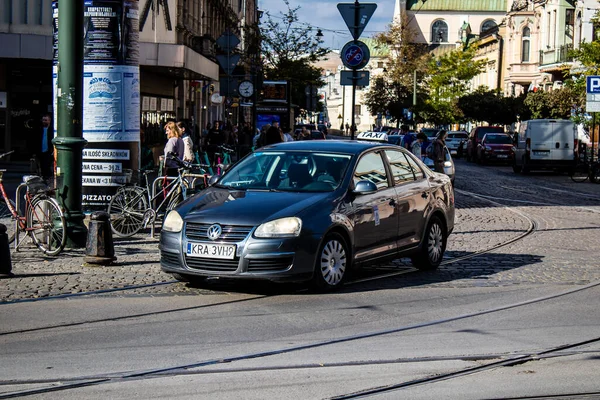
<point>365,187</point>
<point>213,179</point>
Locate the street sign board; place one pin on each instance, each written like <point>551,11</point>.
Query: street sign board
<point>356,21</point>
<point>592,90</point>
<point>362,78</point>
<point>228,41</point>
<point>228,62</point>
<point>355,55</point>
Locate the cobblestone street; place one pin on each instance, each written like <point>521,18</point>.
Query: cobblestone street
<point>493,207</point>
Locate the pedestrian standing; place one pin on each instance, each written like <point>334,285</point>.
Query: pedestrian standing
<point>174,144</point>
<point>439,153</point>
<point>417,145</point>
<point>188,151</point>
<point>46,149</point>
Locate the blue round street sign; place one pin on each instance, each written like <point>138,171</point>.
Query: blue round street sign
<point>355,55</point>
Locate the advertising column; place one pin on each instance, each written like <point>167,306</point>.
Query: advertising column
<point>111,98</point>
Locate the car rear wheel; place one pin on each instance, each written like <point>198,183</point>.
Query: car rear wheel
<point>516,168</point>
<point>332,263</point>
<point>433,246</point>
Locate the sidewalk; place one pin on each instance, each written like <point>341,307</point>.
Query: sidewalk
<point>36,275</point>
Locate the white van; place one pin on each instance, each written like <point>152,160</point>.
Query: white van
<point>545,144</point>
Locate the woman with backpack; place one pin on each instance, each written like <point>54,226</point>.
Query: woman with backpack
<point>438,151</point>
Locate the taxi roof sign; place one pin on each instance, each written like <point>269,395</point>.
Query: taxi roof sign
<point>373,136</point>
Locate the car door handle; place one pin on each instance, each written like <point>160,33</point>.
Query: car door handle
<point>424,195</point>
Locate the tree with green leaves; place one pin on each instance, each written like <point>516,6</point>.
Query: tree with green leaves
<point>393,92</point>
<point>449,78</point>
<point>488,105</point>
<point>289,49</point>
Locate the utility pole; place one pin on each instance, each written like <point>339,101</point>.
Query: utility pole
<point>69,142</point>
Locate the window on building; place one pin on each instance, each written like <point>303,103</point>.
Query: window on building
<point>488,25</point>
<point>379,64</point>
<point>5,11</point>
<point>357,110</point>
<point>525,45</point>
<point>36,11</point>
<point>21,12</point>
<point>439,32</point>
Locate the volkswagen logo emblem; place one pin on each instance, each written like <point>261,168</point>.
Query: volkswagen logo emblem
<point>214,231</point>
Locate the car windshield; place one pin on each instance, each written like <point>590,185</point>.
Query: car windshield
<point>458,136</point>
<point>294,171</point>
<point>481,132</point>
<point>498,139</point>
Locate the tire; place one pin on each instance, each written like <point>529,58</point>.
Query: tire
<point>332,264</point>
<point>46,225</point>
<point>516,168</point>
<point>126,210</point>
<point>433,246</point>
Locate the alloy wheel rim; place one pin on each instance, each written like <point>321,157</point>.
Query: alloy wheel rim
<point>435,242</point>
<point>333,262</point>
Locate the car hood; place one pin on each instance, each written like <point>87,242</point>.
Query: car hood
<point>247,207</point>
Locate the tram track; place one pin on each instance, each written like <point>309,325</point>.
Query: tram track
<point>56,385</point>
<point>531,228</point>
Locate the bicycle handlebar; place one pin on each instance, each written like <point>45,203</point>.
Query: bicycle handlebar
<point>226,149</point>
<point>5,154</point>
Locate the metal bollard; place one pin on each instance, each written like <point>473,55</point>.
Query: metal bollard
<point>5,263</point>
<point>99,247</point>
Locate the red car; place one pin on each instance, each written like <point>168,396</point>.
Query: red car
<point>495,147</point>
<point>475,138</point>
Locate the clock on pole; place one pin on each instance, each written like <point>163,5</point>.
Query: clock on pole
<point>246,88</point>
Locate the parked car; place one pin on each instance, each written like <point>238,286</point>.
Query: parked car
<point>317,135</point>
<point>475,137</point>
<point>545,144</point>
<point>495,147</point>
<point>454,139</point>
<point>431,133</point>
<point>304,210</point>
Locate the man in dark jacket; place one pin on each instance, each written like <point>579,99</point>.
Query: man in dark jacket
<point>45,148</point>
<point>439,154</point>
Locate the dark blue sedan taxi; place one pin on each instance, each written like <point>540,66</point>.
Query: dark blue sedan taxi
<point>311,211</point>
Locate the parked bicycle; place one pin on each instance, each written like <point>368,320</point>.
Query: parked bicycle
<point>43,219</point>
<point>585,168</point>
<point>223,159</point>
<point>133,208</point>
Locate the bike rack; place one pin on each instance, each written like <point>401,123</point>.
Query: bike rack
<point>18,197</point>
<point>158,184</point>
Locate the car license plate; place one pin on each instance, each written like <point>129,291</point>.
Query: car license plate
<point>502,156</point>
<point>541,153</point>
<point>211,250</point>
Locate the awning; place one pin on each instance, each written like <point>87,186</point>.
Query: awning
<point>178,60</point>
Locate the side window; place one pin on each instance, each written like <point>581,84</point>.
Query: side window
<point>371,167</point>
<point>401,169</point>
<point>417,171</point>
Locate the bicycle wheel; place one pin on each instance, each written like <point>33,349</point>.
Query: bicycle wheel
<point>579,173</point>
<point>126,210</point>
<point>46,225</point>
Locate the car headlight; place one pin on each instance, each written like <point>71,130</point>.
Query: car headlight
<point>488,148</point>
<point>173,222</point>
<point>447,164</point>
<point>283,227</point>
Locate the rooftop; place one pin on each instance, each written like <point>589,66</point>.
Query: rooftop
<point>456,5</point>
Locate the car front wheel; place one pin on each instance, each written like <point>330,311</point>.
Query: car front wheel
<point>332,263</point>
<point>433,246</point>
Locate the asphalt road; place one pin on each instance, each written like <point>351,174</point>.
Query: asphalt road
<point>513,312</point>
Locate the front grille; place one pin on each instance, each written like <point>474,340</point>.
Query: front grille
<point>169,258</point>
<point>270,264</point>
<point>212,264</point>
<point>231,233</point>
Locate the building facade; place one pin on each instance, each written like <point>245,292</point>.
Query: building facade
<point>178,67</point>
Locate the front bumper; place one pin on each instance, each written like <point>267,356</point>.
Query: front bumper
<point>286,259</point>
